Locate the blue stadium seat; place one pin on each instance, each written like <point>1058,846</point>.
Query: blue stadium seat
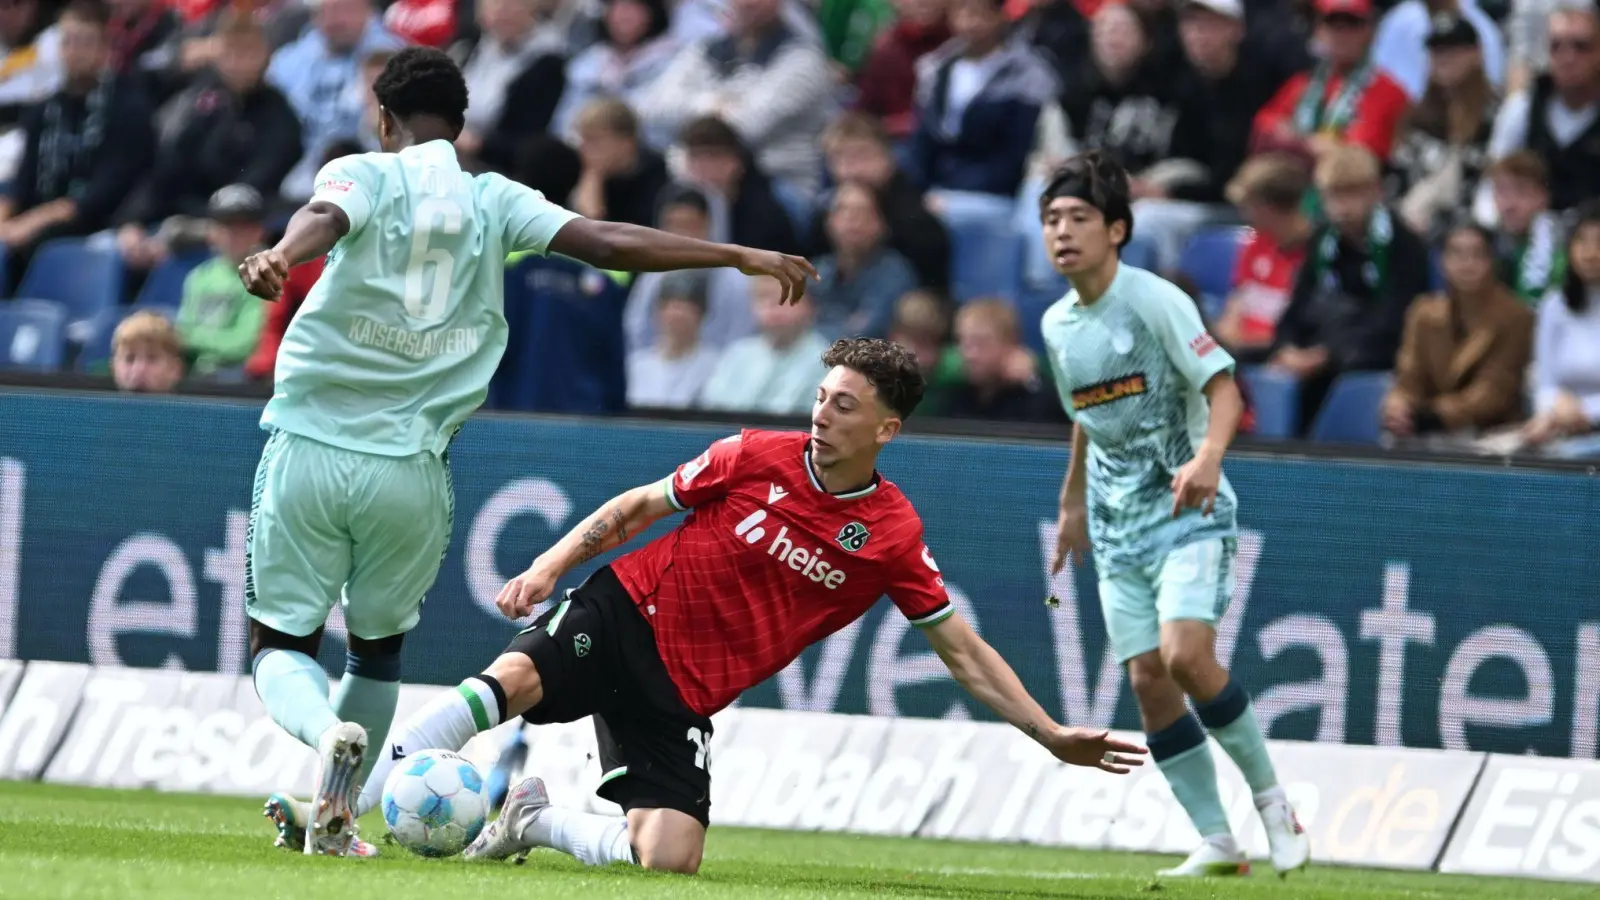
<point>85,281</point>
<point>164,285</point>
<point>985,260</point>
<point>1275,398</point>
<point>1208,260</point>
<point>1141,254</point>
<point>1349,415</point>
<point>32,335</point>
<point>564,351</point>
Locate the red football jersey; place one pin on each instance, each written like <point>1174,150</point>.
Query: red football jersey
<point>768,563</point>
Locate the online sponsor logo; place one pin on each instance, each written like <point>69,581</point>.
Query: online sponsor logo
<point>1108,391</point>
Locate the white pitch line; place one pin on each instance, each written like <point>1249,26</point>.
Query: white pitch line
<point>1043,875</point>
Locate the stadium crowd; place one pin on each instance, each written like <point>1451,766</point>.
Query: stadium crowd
<point>1387,213</point>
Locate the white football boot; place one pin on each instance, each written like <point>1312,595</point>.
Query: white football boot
<point>1216,857</point>
<point>1287,842</point>
<point>504,836</point>
<point>332,825</point>
<point>290,816</point>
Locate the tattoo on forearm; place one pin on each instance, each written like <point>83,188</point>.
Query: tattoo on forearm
<point>1033,731</point>
<point>597,537</point>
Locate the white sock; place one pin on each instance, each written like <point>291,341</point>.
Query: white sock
<point>446,723</point>
<point>591,839</point>
<point>1223,842</point>
<point>1271,797</point>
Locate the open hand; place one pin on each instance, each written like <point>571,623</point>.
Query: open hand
<point>791,271</point>
<point>1094,748</point>
<point>263,274</point>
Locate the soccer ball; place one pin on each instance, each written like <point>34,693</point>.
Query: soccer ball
<point>435,803</point>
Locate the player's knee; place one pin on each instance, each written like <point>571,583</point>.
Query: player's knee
<point>519,678</point>
<point>376,659</point>
<point>1190,663</point>
<point>263,638</point>
<point>1148,677</point>
<point>667,856</point>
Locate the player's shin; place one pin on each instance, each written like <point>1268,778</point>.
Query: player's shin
<point>367,695</point>
<point>447,722</point>
<point>1231,719</point>
<point>294,690</point>
<point>1181,753</point>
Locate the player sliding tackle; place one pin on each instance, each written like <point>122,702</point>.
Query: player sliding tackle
<point>1154,407</point>
<point>390,354</point>
<point>789,537</point>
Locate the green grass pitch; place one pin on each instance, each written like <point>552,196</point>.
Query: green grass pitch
<point>66,843</point>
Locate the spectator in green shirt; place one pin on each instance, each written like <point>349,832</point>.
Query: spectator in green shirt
<point>219,320</point>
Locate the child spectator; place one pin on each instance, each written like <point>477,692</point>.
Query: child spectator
<point>671,373</point>
<point>1528,247</point>
<point>777,370</point>
<point>219,320</point>
<point>1001,378</point>
<point>1269,192</point>
<point>862,277</point>
<point>146,354</point>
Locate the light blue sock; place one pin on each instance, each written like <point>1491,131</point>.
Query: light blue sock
<point>1181,752</point>
<point>367,695</point>
<point>1231,719</point>
<point>294,689</point>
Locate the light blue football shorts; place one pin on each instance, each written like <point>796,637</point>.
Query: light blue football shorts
<point>1193,582</point>
<point>329,525</point>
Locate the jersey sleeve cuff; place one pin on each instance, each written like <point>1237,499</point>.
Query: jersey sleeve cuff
<point>672,496</point>
<point>347,197</point>
<point>933,618</point>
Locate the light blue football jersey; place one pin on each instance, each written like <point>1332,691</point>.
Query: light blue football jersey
<point>396,344</point>
<point>1130,368</point>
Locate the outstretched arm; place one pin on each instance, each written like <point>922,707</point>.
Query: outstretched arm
<point>617,246</point>
<point>624,516</point>
<point>981,670</point>
<point>312,232</point>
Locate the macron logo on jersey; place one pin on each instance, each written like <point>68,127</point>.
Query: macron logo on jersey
<point>809,563</point>
<point>775,493</point>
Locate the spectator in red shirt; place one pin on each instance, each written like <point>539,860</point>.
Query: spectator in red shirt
<point>888,78</point>
<point>1346,98</point>
<point>301,279</point>
<point>1268,192</point>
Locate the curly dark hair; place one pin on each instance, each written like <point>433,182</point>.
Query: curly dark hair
<point>1099,180</point>
<point>422,81</point>
<point>891,368</point>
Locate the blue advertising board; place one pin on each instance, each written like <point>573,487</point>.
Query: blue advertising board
<point>1381,604</point>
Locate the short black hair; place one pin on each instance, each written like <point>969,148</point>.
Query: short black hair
<point>548,165</point>
<point>891,368</point>
<point>1097,178</point>
<point>422,81</point>
<point>1573,289</point>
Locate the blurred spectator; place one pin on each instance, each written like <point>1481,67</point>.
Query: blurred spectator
<point>978,102</point>
<point>671,372</point>
<point>1442,147</point>
<point>856,148</point>
<point>30,71</point>
<point>1346,98</point>
<point>1528,242</point>
<point>633,50</point>
<point>1269,192</point>
<point>849,28</point>
<point>1057,29</point>
<point>145,36</point>
<point>1406,33</point>
<point>219,320</point>
<point>314,73</point>
<point>1527,41</point>
<point>1000,377</point>
<point>431,23</point>
<point>777,370</point>
<point>281,21</point>
<point>85,147</point>
<point>622,179</point>
<point>1160,21</point>
<point>705,21</point>
<point>922,325</point>
<point>516,73</point>
<point>887,82</point>
<point>236,130</point>
<point>372,66</point>
<point>1559,116</point>
<point>1566,352</point>
<point>280,313</point>
<point>1361,273</point>
<point>687,212</point>
<point>716,159</point>
<point>546,164</point>
<point>770,85</point>
<point>1464,350</point>
<point>146,354</point>
<point>862,277</point>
